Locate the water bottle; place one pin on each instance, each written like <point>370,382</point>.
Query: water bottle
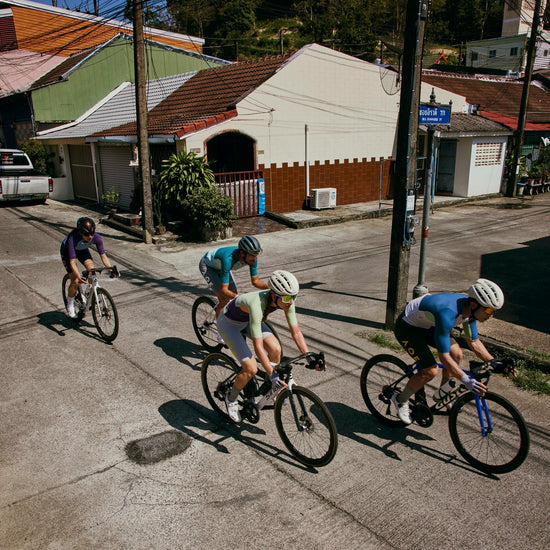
<point>449,386</point>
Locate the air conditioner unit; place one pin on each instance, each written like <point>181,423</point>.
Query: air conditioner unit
<point>323,198</point>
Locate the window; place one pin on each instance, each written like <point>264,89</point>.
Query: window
<point>488,154</point>
<point>492,53</point>
<point>513,52</point>
<point>545,53</point>
<point>474,56</point>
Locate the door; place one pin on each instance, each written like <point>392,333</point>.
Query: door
<point>82,170</point>
<point>116,172</point>
<point>446,167</point>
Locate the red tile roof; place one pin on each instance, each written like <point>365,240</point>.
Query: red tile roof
<point>207,98</point>
<point>500,97</point>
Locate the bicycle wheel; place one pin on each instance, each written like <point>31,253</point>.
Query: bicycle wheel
<point>218,372</point>
<point>203,315</point>
<point>306,426</point>
<point>505,444</point>
<point>378,384</point>
<point>105,315</point>
<point>79,307</point>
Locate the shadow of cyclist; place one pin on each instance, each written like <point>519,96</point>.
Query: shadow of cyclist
<point>187,353</point>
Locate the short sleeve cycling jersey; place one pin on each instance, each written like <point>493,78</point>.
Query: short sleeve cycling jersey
<point>442,312</point>
<point>73,243</point>
<point>225,260</point>
<point>257,304</point>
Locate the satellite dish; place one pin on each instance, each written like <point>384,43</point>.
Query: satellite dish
<point>390,79</point>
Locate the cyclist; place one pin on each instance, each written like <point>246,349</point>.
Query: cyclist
<point>216,267</point>
<point>428,321</point>
<point>75,246</point>
<point>248,311</point>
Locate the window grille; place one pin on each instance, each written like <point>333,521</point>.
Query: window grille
<point>488,154</point>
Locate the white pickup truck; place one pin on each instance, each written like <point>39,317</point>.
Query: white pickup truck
<point>19,180</point>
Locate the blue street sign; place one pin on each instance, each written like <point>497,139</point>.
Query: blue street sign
<point>433,114</point>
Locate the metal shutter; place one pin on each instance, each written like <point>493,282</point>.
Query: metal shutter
<point>116,172</point>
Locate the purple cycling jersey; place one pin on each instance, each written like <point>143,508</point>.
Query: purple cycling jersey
<point>73,244</point>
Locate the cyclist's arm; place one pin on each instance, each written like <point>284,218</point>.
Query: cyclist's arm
<point>225,292</point>
<point>451,366</point>
<point>479,349</point>
<point>105,260</point>
<point>258,283</point>
<point>261,354</point>
<point>74,268</point>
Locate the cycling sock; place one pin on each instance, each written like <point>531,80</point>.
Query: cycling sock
<point>233,394</point>
<point>70,301</point>
<point>405,395</point>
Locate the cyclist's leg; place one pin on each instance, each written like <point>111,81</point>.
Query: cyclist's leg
<point>271,344</point>
<point>415,343</point>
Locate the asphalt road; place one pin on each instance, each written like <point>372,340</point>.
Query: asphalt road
<point>71,404</point>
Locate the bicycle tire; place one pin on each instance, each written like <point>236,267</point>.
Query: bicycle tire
<point>316,443</point>
<point>80,309</point>
<point>378,374</point>
<point>203,316</point>
<point>218,372</point>
<point>503,449</point>
<point>105,315</point>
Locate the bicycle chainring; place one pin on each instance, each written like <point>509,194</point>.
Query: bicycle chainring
<point>250,411</point>
<point>422,415</point>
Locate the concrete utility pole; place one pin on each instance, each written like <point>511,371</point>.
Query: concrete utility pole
<point>405,164</point>
<point>141,118</point>
<point>511,184</point>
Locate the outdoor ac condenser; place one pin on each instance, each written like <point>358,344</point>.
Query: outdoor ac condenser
<point>323,198</point>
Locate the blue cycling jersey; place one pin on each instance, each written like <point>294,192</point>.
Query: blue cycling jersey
<point>226,259</point>
<point>442,312</point>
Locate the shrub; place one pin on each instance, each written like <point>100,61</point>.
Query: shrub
<point>37,153</point>
<point>207,209</point>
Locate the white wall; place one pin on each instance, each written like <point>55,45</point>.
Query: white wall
<point>339,97</point>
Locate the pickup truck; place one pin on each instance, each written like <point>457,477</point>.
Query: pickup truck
<point>19,180</point>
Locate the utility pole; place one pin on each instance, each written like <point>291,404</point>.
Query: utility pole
<point>141,119</point>
<point>511,184</point>
<point>405,164</point>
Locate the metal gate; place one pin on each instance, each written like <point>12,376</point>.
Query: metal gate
<point>116,172</point>
<point>82,171</point>
<point>242,187</point>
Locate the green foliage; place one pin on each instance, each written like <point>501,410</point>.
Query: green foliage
<point>182,173</point>
<point>209,209</point>
<point>531,379</point>
<point>37,153</point>
<point>111,198</point>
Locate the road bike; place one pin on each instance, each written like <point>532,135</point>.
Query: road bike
<point>488,432</point>
<point>96,299</point>
<point>303,421</point>
<point>203,316</point>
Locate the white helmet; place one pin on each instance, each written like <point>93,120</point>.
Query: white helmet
<point>283,283</point>
<point>487,293</point>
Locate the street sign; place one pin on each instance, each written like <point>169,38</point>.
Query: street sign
<point>434,114</point>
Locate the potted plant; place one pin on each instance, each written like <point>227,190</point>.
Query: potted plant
<point>110,200</point>
<point>208,213</point>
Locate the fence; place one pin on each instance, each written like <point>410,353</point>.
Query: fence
<point>242,187</point>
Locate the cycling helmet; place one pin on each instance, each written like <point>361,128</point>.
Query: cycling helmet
<point>250,245</point>
<point>86,226</point>
<point>283,283</point>
<point>487,294</point>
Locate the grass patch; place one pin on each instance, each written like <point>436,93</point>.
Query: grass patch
<point>531,379</point>
<point>385,340</point>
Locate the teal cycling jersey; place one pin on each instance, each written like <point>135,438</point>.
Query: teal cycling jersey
<point>226,259</point>
<point>441,312</point>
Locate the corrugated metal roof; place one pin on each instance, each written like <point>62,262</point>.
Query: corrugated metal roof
<point>20,68</point>
<point>208,98</point>
<point>119,108</point>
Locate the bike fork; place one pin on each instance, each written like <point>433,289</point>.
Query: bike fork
<point>299,424</point>
<point>483,416</point>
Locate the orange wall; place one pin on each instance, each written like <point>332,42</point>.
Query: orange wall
<point>54,34</point>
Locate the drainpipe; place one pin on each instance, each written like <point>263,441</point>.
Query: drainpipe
<point>306,162</point>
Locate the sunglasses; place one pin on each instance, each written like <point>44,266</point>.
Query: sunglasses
<point>489,310</point>
<point>288,299</point>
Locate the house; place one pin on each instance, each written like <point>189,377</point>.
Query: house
<point>315,119</point>
<point>89,170</point>
<point>509,51</point>
<point>71,60</point>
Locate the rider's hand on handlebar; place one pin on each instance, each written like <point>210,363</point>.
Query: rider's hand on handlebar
<point>276,382</point>
<point>115,274</point>
<point>316,362</point>
<point>474,385</point>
